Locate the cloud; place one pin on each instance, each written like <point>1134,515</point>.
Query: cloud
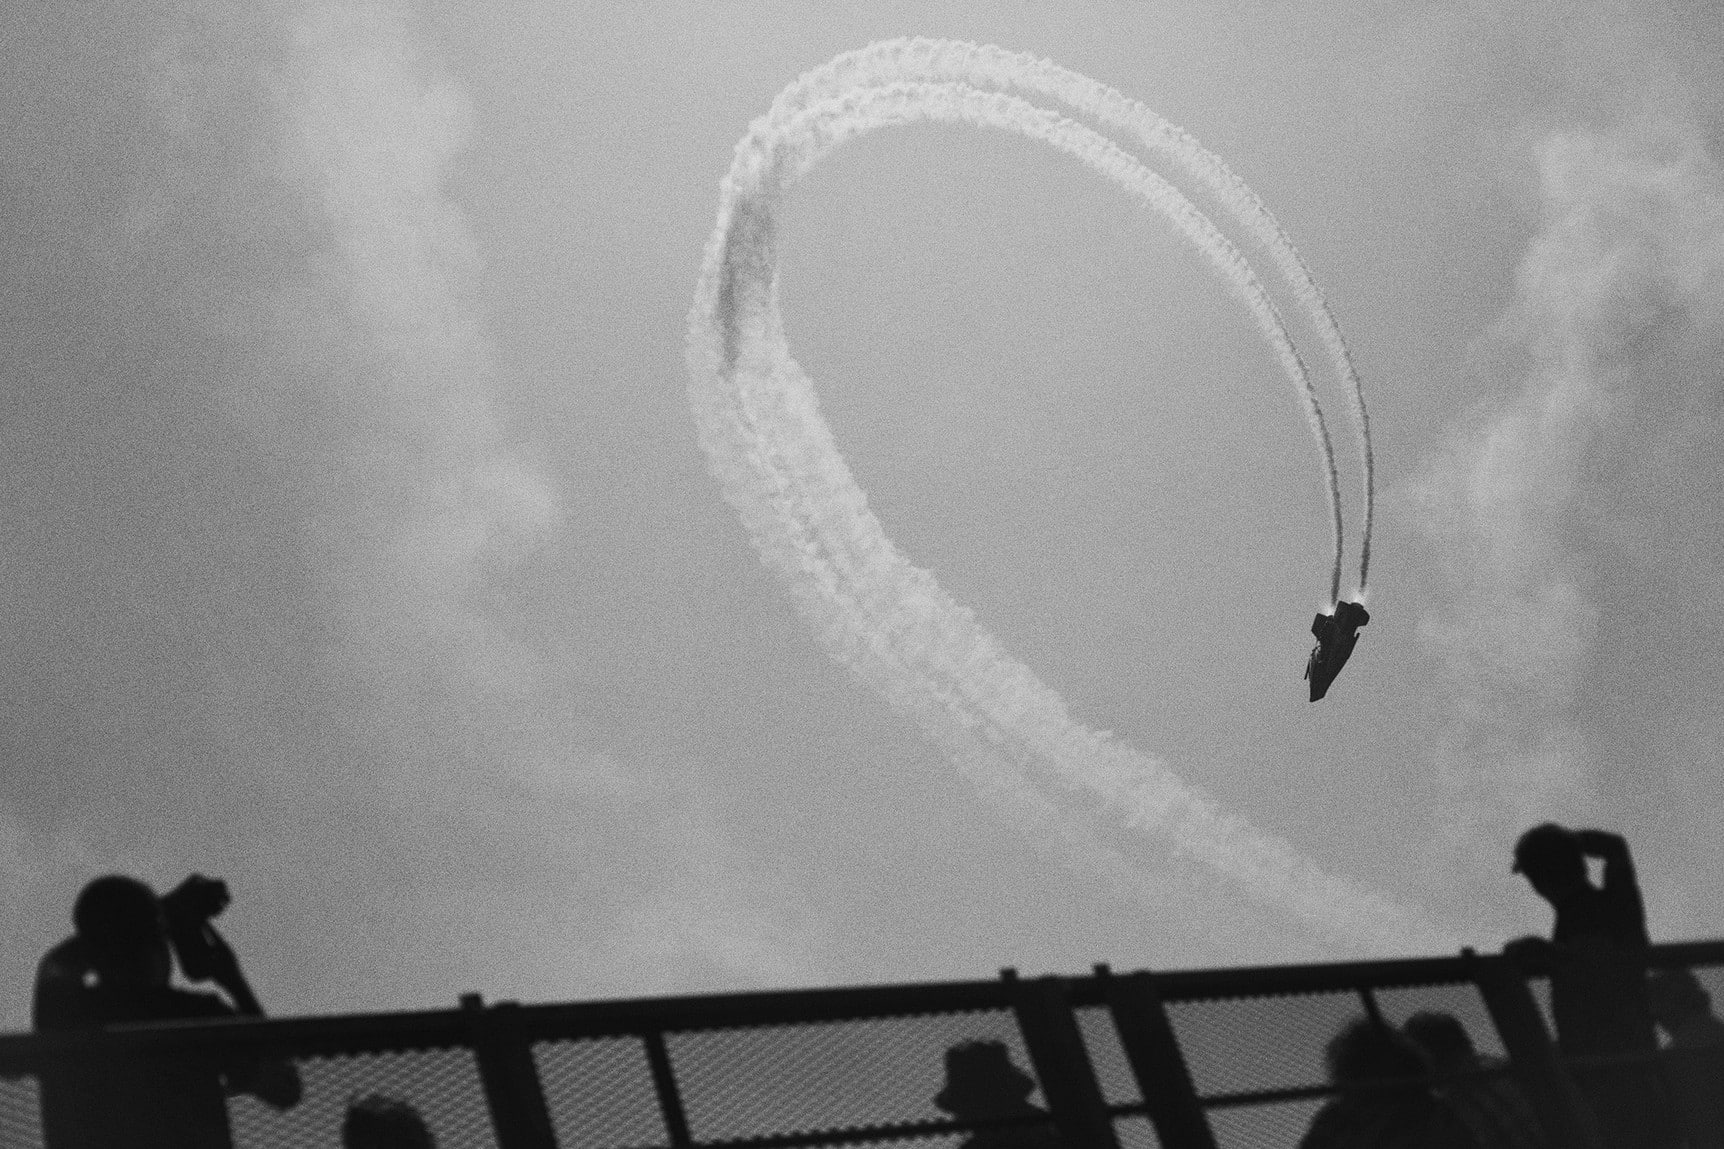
<point>1627,261</point>
<point>720,917</point>
<point>272,486</point>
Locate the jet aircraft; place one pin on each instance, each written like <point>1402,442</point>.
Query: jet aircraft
<point>1336,635</point>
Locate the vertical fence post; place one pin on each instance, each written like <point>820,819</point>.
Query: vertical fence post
<point>1560,1108</point>
<point>1062,1063</point>
<point>506,1070</point>
<point>1373,1011</point>
<point>1157,1062</point>
<point>669,1096</point>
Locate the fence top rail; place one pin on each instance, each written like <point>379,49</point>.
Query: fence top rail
<point>1388,973</point>
<point>382,1032</point>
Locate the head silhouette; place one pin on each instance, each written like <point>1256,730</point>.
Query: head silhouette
<point>1364,1052</point>
<point>1549,857</point>
<point>1442,1038</point>
<point>982,1081</point>
<point>1676,996</point>
<point>378,1122</point>
<point>119,920</point>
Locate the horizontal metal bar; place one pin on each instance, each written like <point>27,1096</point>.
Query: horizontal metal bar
<point>753,1010</point>
<point>887,1132</point>
<point>1301,1092</point>
<point>377,1032</point>
<point>1268,1096</point>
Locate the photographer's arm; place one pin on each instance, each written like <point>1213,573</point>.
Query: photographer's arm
<point>274,1081</point>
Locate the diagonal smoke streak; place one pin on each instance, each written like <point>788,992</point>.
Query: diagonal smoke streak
<point>988,66</point>
<point>889,620</point>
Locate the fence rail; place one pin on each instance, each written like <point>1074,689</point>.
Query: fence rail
<point>1206,1059</point>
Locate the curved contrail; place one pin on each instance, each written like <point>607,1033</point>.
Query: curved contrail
<point>987,66</point>
<point>890,621</point>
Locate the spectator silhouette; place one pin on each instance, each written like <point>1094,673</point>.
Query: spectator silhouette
<point>1384,1102</point>
<point>1683,1010</point>
<point>1490,1104</point>
<point>1597,961</point>
<point>981,1083</point>
<point>378,1122</point>
<point>115,969</point>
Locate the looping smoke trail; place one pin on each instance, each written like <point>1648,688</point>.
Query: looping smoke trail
<point>988,66</point>
<point>890,621</point>
<point>903,102</point>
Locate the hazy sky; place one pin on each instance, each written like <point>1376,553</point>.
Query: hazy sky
<point>357,546</point>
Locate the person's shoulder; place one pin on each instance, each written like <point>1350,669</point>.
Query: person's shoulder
<point>159,1003</point>
<point>68,1006</point>
<point>191,1004</point>
<point>76,1007</point>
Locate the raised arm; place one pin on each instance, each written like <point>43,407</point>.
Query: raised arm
<point>1613,848</point>
<point>274,1081</point>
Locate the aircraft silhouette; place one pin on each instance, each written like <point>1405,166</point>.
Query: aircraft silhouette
<point>1337,634</point>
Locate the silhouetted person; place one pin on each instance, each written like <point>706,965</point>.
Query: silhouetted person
<point>1597,959</point>
<point>115,969</point>
<point>982,1082</point>
<point>1384,1102</point>
<point>1695,1054</point>
<point>1493,1108</point>
<point>378,1122</point>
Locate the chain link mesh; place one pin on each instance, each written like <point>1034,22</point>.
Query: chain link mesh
<point>1135,1133</point>
<point>20,1114</point>
<point>1238,1044</point>
<point>1250,1044</point>
<point>600,1093</point>
<point>1278,1126</point>
<point>840,1075</point>
<point>1107,1056</point>
<point>441,1084</point>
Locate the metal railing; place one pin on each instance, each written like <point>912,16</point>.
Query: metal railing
<point>1207,1059</point>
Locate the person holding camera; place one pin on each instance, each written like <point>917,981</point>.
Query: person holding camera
<point>116,969</point>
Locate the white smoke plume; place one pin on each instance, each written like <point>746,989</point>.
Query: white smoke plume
<point>889,621</point>
<point>985,67</point>
<point>1629,253</point>
<point>370,141</point>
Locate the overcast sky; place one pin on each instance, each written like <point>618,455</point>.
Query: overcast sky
<point>356,545</point>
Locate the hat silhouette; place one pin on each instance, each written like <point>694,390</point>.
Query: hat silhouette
<point>980,1078</point>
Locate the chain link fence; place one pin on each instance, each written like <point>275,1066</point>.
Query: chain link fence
<point>1220,1059</point>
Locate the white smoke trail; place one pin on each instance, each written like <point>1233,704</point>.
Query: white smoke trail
<point>987,66</point>
<point>889,620</point>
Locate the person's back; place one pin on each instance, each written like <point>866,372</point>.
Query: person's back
<point>124,1102</point>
